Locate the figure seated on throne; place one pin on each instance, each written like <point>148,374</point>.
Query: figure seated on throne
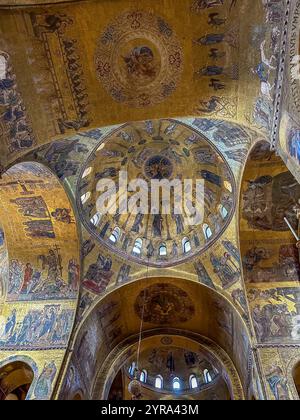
<point>98,275</point>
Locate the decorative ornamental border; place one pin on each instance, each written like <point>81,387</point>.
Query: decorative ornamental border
<point>281,75</point>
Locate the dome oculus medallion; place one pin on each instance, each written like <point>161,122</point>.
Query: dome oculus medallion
<point>139,59</point>
<point>155,151</point>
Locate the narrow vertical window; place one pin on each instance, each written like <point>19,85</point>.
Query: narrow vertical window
<point>115,235</point>
<point>176,384</point>
<point>207,231</point>
<point>131,369</point>
<point>85,197</point>
<point>87,172</point>
<point>95,220</point>
<point>207,377</point>
<point>138,245</point>
<point>163,250</point>
<point>143,376</point>
<point>186,245</point>
<point>193,382</point>
<point>224,212</point>
<point>158,382</point>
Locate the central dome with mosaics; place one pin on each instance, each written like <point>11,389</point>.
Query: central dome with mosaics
<point>158,151</point>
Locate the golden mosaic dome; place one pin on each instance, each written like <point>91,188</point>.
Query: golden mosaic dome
<point>150,151</point>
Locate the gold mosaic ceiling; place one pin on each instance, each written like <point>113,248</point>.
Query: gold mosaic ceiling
<point>92,64</point>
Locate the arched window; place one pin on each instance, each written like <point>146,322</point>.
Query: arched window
<point>207,231</point>
<point>223,211</point>
<point>137,249</point>
<point>115,235</point>
<point>87,172</point>
<point>100,147</point>
<point>176,384</point>
<point>207,377</point>
<point>143,376</point>
<point>131,369</point>
<point>163,252</point>
<point>193,382</point>
<point>186,245</point>
<point>228,186</point>
<point>15,381</point>
<point>85,197</point>
<point>95,220</point>
<point>159,382</point>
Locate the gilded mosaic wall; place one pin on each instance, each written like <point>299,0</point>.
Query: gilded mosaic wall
<point>4,267</point>
<point>289,133</point>
<point>270,257</point>
<point>41,235</point>
<point>278,365</point>
<point>271,267</point>
<point>42,280</point>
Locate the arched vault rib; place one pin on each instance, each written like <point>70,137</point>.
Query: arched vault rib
<point>117,316</point>
<point>116,359</point>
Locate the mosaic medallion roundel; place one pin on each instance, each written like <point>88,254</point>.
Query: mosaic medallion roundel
<point>164,304</point>
<point>139,59</point>
<point>158,167</point>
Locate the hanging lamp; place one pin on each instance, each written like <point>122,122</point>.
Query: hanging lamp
<point>135,386</point>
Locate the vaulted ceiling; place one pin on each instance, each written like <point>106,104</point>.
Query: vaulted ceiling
<point>95,63</point>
